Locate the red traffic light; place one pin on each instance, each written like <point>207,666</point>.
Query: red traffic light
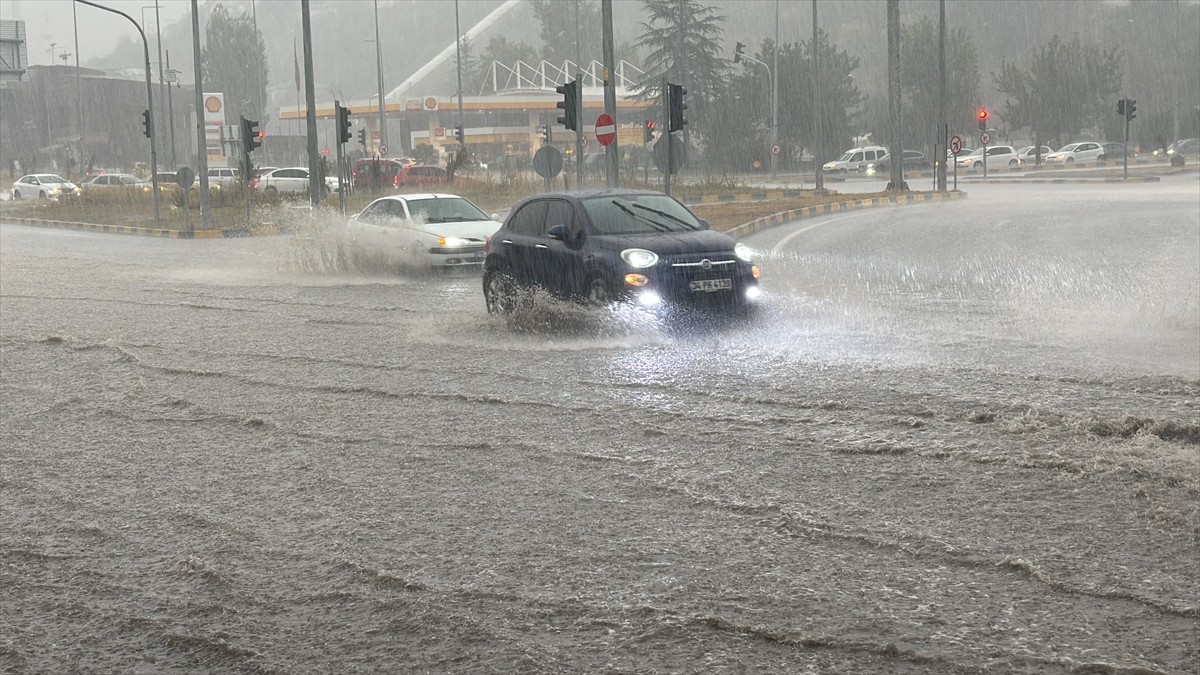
<point>325,152</point>
<point>650,125</point>
<point>983,113</point>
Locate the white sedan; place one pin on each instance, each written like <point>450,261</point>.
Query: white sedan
<point>423,230</point>
<point>292,180</point>
<point>1075,153</point>
<point>42,186</point>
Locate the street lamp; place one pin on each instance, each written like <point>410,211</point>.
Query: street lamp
<point>379,75</point>
<point>739,55</point>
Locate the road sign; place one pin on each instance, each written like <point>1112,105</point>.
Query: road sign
<point>547,161</point>
<point>956,144</point>
<point>985,138</point>
<point>775,149</point>
<point>678,154</point>
<point>185,177</point>
<point>383,149</point>
<point>606,129</point>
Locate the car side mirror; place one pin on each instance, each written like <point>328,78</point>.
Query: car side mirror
<point>705,223</point>
<point>558,232</point>
<point>495,217</point>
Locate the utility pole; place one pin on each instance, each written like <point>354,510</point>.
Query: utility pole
<point>775,98</point>
<point>940,153</point>
<point>895,147</point>
<point>78,92</point>
<point>201,142</point>
<point>579,106</point>
<point>379,74</point>
<point>462,135</point>
<point>162,87</point>
<point>818,106</point>
<point>171,110</point>
<point>315,180</point>
<point>612,155</point>
<point>666,136</point>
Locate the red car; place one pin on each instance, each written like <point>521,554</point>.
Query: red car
<point>420,176</point>
<point>367,172</point>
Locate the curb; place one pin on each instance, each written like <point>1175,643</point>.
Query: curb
<point>260,231</point>
<point>759,224</point>
<point>979,180</point>
<point>755,196</point>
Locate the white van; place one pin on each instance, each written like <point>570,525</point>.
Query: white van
<point>856,159</point>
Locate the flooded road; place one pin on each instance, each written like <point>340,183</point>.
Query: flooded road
<point>960,437</point>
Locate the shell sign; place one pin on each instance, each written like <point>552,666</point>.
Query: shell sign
<point>214,109</point>
<point>431,103</point>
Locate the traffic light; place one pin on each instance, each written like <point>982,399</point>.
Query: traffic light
<point>983,115</point>
<point>738,52</point>
<point>569,105</point>
<point>362,137</point>
<point>675,107</point>
<point>648,131</point>
<point>251,137</point>
<point>1130,109</point>
<point>460,134</point>
<point>148,131</point>
<point>343,123</point>
<point>546,132</point>
<point>1121,107</point>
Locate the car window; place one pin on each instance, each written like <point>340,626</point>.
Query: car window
<point>560,212</point>
<point>857,157</point>
<point>530,219</point>
<point>636,214</point>
<point>444,210</point>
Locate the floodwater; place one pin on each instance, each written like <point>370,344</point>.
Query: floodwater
<point>959,437</point>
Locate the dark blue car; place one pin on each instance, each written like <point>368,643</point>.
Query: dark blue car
<point>613,246</point>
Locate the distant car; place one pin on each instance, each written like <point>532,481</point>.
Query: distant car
<point>914,160</point>
<point>1185,148</point>
<point>997,156</point>
<point>291,180</point>
<point>1029,155</point>
<point>612,246</point>
<point>420,176</point>
<point>1075,153</point>
<point>222,177</point>
<point>1113,152</point>
<point>423,230</point>
<point>109,181</point>
<point>855,159</point>
<point>43,186</point>
<point>377,173</point>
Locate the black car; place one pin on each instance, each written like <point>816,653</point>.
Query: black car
<point>616,245</point>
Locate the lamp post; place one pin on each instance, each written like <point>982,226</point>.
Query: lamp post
<point>773,102</point>
<point>379,76</point>
<point>149,104</point>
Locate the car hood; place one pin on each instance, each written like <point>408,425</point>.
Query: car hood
<point>669,243</point>
<point>475,229</point>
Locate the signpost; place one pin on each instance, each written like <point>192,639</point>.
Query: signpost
<point>775,149</point>
<point>984,139</point>
<point>383,149</point>
<point>956,148</point>
<point>548,163</point>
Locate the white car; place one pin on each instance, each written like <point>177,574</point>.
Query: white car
<point>856,159</point>
<point>423,230</point>
<point>998,156</point>
<point>1076,153</point>
<point>42,186</point>
<point>222,177</point>
<point>110,181</point>
<point>1028,155</point>
<point>292,180</point>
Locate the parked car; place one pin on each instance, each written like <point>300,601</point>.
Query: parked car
<point>43,186</point>
<point>110,181</point>
<point>423,230</point>
<point>369,172</point>
<point>997,156</point>
<point>1076,153</point>
<point>608,246</point>
<point>1112,152</point>
<point>855,159</point>
<point>1029,155</point>
<point>1185,148</point>
<point>914,160</point>
<point>291,180</point>
<point>420,176</point>
<point>222,177</point>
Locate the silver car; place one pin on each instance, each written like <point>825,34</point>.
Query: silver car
<point>43,186</point>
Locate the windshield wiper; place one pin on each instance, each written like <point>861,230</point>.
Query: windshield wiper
<point>666,215</point>
<point>654,223</point>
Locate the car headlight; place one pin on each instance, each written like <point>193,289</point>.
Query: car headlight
<point>451,241</point>
<point>743,252</point>
<point>639,257</point>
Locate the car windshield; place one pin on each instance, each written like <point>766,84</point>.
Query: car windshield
<point>1069,148</point>
<point>51,179</point>
<point>444,210</point>
<point>844,157</point>
<point>639,214</point>
<point>976,152</point>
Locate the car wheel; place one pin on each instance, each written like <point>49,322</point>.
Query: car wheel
<point>499,293</point>
<point>977,165</point>
<point>271,190</point>
<point>42,196</point>
<point>842,170</point>
<point>1102,158</point>
<point>16,194</point>
<point>598,292</point>
<point>1012,163</point>
<point>1070,160</point>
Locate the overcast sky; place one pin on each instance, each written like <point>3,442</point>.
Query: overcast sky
<point>48,21</point>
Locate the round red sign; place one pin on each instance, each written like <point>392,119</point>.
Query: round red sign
<point>606,129</point>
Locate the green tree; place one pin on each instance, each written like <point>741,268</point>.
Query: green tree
<point>919,79</point>
<point>558,33</point>
<point>235,62</point>
<point>1068,86</point>
<point>683,42</point>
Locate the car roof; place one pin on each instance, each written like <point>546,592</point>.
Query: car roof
<point>423,195</point>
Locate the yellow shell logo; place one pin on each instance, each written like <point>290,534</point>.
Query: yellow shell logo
<point>430,102</point>
<point>212,104</point>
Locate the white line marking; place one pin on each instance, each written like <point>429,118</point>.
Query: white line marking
<point>793,235</point>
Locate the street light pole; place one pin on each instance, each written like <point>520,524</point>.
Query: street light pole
<point>379,75</point>
<point>149,104</point>
<point>462,142</point>
<point>78,90</point>
<point>772,102</point>
<point>818,108</point>
<point>775,98</point>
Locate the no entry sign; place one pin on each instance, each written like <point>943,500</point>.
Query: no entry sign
<point>606,129</point>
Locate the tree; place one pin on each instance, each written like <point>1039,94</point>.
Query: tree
<point>1068,87</point>
<point>235,62</point>
<point>558,20</point>
<point>501,50</point>
<point>682,37</point>
<point>919,78</point>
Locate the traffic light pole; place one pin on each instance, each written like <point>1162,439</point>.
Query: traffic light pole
<point>666,97</point>
<point>579,132</point>
<point>1126,153</point>
<point>337,107</point>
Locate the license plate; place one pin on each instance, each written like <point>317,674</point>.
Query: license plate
<point>710,285</point>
